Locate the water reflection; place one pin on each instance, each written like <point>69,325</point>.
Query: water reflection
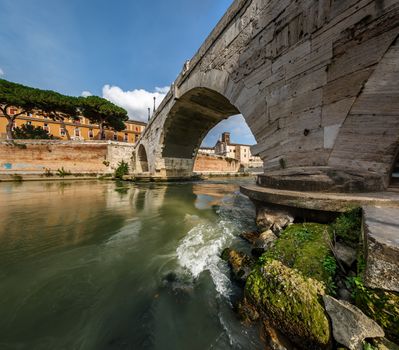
<point>98,265</point>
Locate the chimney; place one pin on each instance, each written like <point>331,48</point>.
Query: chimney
<point>226,137</point>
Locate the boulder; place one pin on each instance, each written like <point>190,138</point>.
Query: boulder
<point>290,302</point>
<point>350,325</point>
<point>345,254</point>
<point>273,219</point>
<point>262,240</point>
<point>240,263</point>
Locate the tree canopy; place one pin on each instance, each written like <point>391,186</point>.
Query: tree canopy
<point>31,132</point>
<point>59,107</point>
<point>104,113</point>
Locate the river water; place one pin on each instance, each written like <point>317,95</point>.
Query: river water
<point>105,265</point>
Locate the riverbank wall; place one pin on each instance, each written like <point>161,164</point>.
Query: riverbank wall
<point>212,164</point>
<point>48,157</point>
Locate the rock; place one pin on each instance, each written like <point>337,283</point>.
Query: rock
<point>240,263</point>
<point>250,237</point>
<point>290,302</point>
<point>350,325</point>
<point>266,239</point>
<point>384,344</point>
<point>273,219</point>
<point>345,254</point>
<point>304,247</point>
<point>260,240</point>
<point>344,294</point>
<point>381,240</point>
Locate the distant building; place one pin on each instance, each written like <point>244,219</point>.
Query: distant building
<point>241,152</point>
<point>78,130</point>
<point>207,150</point>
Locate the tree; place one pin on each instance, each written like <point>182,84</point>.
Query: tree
<point>26,99</point>
<point>15,96</point>
<point>58,107</point>
<point>31,132</point>
<point>104,113</point>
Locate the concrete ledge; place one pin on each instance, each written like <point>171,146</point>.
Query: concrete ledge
<point>328,202</point>
<point>322,179</point>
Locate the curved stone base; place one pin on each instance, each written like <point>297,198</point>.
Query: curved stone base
<point>322,179</point>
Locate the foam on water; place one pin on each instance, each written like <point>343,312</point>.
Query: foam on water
<point>200,251</point>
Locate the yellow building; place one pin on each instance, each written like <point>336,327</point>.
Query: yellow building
<point>78,130</point>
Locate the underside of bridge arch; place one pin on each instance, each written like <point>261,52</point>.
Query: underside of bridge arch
<point>142,157</point>
<point>190,119</point>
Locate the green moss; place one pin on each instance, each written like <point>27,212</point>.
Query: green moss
<point>347,227</point>
<point>290,301</point>
<point>382,306</point>
<point>305,247</point>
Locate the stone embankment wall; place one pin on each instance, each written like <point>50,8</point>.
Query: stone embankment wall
<point>34,157</point>
<point>205,163</point>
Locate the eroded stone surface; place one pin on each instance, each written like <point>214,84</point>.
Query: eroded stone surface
<point>350,325</point>
<point>381,239</point>
<point>316,81</point>
<point>275,220</point>
<point>345,254</point>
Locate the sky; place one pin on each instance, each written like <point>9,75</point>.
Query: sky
<point>127,51</point>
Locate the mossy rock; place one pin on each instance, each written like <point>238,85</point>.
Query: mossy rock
<point>291,302</point>
<point>305,247</point>
<point>380,305</point>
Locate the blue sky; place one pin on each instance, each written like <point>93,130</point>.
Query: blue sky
<point>125,50</point>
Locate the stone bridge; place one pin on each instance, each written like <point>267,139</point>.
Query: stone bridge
<point>317,82</point>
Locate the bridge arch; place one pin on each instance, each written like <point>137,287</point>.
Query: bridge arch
<point>142,159</point>
<point>190,119</point>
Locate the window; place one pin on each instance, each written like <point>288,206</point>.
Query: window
<point>29,123</point>
<point>126,137</point>
<point>46,127</point>
<point>137,129</point>
<point>136,137</point>
<point>77,132</point>
<point>115,136</point>
<point>62,131</point>
<point>91,134</point>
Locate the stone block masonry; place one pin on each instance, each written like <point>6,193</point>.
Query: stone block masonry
<point>35,157</point>
<point>205,163</point>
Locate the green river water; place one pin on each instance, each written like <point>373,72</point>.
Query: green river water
<point>105,265</point>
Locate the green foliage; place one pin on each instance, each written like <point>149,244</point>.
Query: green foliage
<point>348,226</point>
<point>122,170</point>
<point>382,306</point>
<point>368,346</point>
<point>106,162</point>
<point>103,112</point>
<point>290,300</point>
<point>305,248</point>
<point>62,172</point>
<point>31,132</point>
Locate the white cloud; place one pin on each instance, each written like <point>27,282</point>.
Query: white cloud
<point>86,93</point>
<point>136,101</point>
<point>1,72</point>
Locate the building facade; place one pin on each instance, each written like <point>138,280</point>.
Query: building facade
<point>80,129</point>
<point>241,152</point>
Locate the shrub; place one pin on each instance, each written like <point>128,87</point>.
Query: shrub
<point>122,170</point>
